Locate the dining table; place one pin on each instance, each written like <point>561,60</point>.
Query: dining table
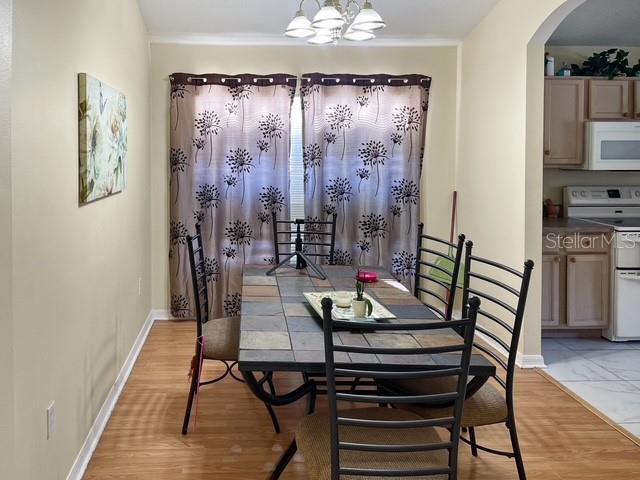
<point>281,332</point>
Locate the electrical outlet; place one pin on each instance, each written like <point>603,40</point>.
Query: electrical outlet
<point>139,286</point>
<point>51,420</point>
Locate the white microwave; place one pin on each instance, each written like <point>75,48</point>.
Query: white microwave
<point>612,146</point>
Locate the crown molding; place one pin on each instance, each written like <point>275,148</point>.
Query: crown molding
<point>281,40</point>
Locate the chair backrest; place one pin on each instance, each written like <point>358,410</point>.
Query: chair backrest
<point>198,278</point>
<point>500,322</point>
<point>415,367</point>
<point>437,267</point>
<point>316,233</point>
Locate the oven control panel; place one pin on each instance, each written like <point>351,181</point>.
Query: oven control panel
<point>601,195</point>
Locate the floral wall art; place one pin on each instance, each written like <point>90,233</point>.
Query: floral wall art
<point>102,115</point>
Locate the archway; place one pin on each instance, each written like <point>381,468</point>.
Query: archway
<point>534,173</point>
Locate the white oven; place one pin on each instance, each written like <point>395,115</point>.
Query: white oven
<point>617,207</point>
<point>612,145</point>
<point>625,323</point>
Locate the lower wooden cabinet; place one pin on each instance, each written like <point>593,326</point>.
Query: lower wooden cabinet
<point>588,290</point>
<point>553,290</point>
<point>575,290</point>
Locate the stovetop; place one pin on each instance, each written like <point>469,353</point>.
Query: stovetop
<point>626,224</point>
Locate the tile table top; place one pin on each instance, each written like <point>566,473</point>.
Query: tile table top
<point>281,332</point>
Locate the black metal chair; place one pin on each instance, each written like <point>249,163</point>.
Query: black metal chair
<point>477,281</point>
<point>497,335</point>
<point>386,442</point>
<point>217,339</point>
<point>437,267</point>
<point>315,234</point>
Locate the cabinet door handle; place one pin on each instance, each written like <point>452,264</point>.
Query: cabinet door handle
<point>556,259</point>
<point>625,114</point>
<point>547,152</point>
<point>572,259</point>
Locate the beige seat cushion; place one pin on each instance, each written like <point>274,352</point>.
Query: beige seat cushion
<point>222,338</point>
<point>313,439</point>
<point>487,406</point>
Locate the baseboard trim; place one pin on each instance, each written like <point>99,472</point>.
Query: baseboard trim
<point>530,361</point>
<point>95,432</point>
<point>522,361</point>
<point>161,315</point>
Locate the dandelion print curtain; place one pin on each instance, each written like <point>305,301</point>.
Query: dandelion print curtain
<point>229,168</point>
<point>363,145</point>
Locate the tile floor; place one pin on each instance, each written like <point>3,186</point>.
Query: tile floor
<point>604,374</point>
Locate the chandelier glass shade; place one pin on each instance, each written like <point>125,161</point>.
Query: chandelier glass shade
<point>335,20</point>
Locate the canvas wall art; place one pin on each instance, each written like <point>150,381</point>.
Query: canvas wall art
<point>102,113</point>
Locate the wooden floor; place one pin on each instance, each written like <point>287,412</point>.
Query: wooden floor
<point>234,440</point>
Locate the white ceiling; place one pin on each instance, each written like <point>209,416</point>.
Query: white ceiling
<point>410,22</point>
<point>601,22</point>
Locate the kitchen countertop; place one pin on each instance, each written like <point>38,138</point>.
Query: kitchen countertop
<point>572,225</point>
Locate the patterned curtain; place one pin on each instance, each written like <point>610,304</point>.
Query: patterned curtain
<point>363,146</point>
<point>229,167</point>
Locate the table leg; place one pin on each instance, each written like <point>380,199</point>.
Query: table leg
<point>474,385</point>
<point>278,400</point>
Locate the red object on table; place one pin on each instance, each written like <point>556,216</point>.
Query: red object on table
<point>367,277</point>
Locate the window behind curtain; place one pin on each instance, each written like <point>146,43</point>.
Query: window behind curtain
<point>295,164</point>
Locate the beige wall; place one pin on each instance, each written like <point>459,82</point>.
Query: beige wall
<point>6,320</point>
<point>500,138</point>
<point>75,284</point>
<point>440,63</point>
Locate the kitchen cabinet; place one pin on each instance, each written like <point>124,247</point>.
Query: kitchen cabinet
<point>576,279</point>
<point>571,101</point>
<point>553,290</point>
<point>636,103</point>
<point>609,99</point>
<point>564,115</point>
<point>587,290</point>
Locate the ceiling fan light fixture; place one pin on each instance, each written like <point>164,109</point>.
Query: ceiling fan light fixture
<point>368,19</point>
<point>328,17</point>
<point>336,20</point>
<point>322,37</point>
<point>358,35</point>
<point>300,26</point>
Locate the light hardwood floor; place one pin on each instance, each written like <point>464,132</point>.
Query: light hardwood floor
<point>234,440</point>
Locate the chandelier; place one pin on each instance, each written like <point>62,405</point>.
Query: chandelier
<point>335,21</point>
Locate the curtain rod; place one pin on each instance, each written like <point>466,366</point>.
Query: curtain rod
<point>364,79</point>
<point>224,79</point>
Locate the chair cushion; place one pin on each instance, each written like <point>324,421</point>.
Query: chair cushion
<point>314,443</point>
<point>222,338</point>
<point>485,407</point>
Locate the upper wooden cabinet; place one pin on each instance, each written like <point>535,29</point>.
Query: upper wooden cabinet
<point>564,115</point>
<point>570,101</point>
<point>609,99</point>
<point>636,103</point>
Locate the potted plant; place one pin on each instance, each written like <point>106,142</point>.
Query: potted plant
<point>362,307</point>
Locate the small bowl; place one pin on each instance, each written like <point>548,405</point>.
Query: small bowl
<point>343,299</point>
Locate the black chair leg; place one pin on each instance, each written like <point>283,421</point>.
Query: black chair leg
<point>284,460</point>
<point>192,392</point>
<point>516,450</point>
<point>472,439</point>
